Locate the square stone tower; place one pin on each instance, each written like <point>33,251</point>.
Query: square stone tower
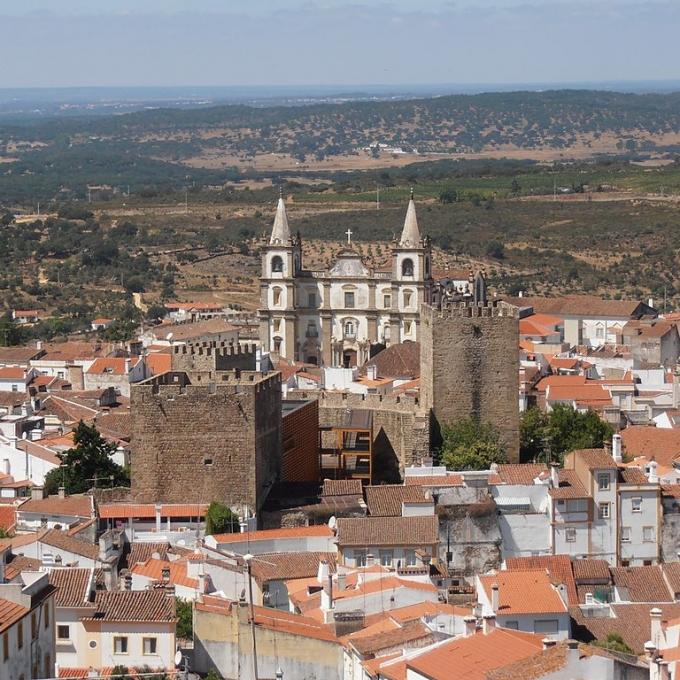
<point>206,436</point>
<point>470,365</point>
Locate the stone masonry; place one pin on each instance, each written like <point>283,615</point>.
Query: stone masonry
<point>213,356</point>
<point>206,436</point>
<point>470,366</point>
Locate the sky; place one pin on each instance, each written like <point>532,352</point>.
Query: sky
<point>77,43</point>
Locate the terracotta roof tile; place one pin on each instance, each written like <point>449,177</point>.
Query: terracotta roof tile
<point>559,568</point>
<point>591,571</point>
<point>148,510</point>
<point>641,584</point>
<point>371,531</point>
<point>401,360</point>
<point>158,363</point>
<point>595,459</point>
<point>8,517</point>
<point>632,475</point>
<point>153,569</point>
<point>569,486</point>
<point>189,330</point>
<point>10,613</point>
<point>61,540</point>
<point>18,355</point>
<point>21,563</point>
<point>386,500</point>
<point>269,534</point>
<point>134,606</point>
<point>521,474</point>
<point>474,656</point>
<point>283,566</point>
<point>342,487</point>
<point>434,480</point>
<point>141,552</point>
<point>400,636</point>
<point>73,585</point>
<point>671,572</point>
<point>72,506</point>
<point>588,306</point>
<point>662,444</point>
<point>524,592</point>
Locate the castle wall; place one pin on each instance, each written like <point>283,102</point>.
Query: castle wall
<point>195,443</point>
<point>470,366</point>
<point>401,433</point>
<point>213,356</point>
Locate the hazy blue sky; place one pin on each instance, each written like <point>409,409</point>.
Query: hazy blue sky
<point>252,42</point>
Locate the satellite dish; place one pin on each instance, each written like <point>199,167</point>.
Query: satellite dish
<point>332,523</point>
<point>178,658</point>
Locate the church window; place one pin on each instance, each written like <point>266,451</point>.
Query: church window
<point>277,264</point>
<point>387,301</point>
<point>408,295</point>
<point>407,267</point>
<point>312,331</point>
<point>277,344</point>
<point>427,266</point>
<point>408,327</point>
<point>349,300</point>
<point>350,329</point>
<point>311,299</point>
<point>276,296</point>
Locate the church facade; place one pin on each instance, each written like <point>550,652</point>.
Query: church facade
<point>341,315</point>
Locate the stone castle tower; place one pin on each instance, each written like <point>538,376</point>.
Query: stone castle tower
<point>206,435</point>
<point>470,362</point>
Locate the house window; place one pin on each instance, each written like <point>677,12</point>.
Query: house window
<point>407,298</point>
<point>648,534</point>
<point>599,332</point>
<point>360,558</point>
<point>636,504</point>
<point>512,625</point>
<point>603,482</point>
<point>407,267</point>
<point>277,264</point>
<point>546,626</point>
<point>276,296</point>
<point>120,645</point>
<point>350,329</point>
<point>150,645</point>
<point>570,535</point>
<point>625,534</point>
<point>386,558</point>
<point>410,558</point>
<point>63,632</point>
<point>603,509</point>
<point>15,388</point>
<point>577,505</point>
<point>311,299</point>
<point>387,301</point>
<point>349,300</point>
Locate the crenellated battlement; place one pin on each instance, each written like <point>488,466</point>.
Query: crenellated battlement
<point>489,309</point>
<point>214,356</point>
<point>348,400</point>
<point>214,348</point>
<point>176,383</point>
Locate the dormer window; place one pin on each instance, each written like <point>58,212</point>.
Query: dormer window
<point>277,265</point>
<point>407,267</point>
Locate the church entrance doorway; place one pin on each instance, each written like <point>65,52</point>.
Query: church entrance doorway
<point>349,358</point>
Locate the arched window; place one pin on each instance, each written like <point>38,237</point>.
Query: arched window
<point>277,344</point>
<point>350,329</point>
<point>276,296</point>
<point>407,267</point>
<point>277,264</point>
<point>312,331</point>
<point>408,296</point>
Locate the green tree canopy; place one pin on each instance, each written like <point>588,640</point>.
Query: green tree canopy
<point>614,642</point>
<point>470,445</point>
<point>219,519</point>
<point>564,429</point>
<point>185,622</point>
<point>89,459</point>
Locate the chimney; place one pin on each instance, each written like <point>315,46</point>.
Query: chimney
<point>650,302</point>
<point>165,573</point>
<point>664,670</point>
<point>655,635</point>
<point>370,559</point>
<point>128,364</point>
<point>573,652</point>
<point>127,582</point>
<point>322,572</point>
<point>327,599</point>
<point>38,344</point>
<point>201,582</point>
<point>470,625</point>
<point>158,509</point>
<point>108,576</point>
<point>37,493</point>
<point>488,623</point>
<point>548,643</point>
<point>62,492</point>
<point>554,475</point>
<point>650,650</point>
<point>372,372</point>
<point>342,580</point>
<point>616,448</point>
<point>653,477</point>
<point>495,598</point>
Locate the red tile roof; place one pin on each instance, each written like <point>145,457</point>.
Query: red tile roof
<point>521,474</point>
<point>158,363</point>
<point>389,531</point>
<point>559,568</point>
<point>74,586</point>
<point>524,592</point>
<point>10,613</point>
<point>12,373</point>
<point>148,510</point>
<point>61,540</point>
<point>662,444</point>
<point>386,500</point>
<point>134,606</point>
<point>111,365</point>
<point>473,657</point>
<point>641,584</point>
<point>72,506</point>
<point>591,571</point>
<point>153,570</point>
<point>342,487</point>
<point>401,360</point>
<point>319,530</point>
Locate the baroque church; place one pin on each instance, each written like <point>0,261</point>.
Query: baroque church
<point>342,315</point>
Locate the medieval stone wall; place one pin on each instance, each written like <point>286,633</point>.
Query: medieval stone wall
<point>470,366</point>
<point>215,441</point>
<point>213,356</point>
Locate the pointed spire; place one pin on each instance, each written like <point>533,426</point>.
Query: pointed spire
<point>280,231</point>
<point>480,292</point>
<point>410,235</point>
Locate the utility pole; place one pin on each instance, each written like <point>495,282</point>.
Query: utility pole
<point>248,558</point>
